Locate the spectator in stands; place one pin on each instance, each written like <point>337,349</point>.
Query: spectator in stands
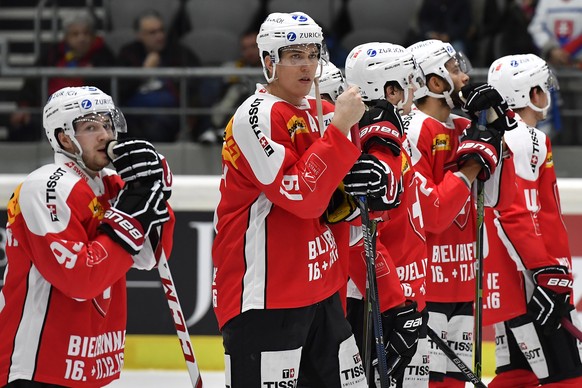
<point>152,49</point>
<point>513,28</point>
<point>80,47</point>
<point>446,20</point>
<point>235,89</point>
<point>556,29</point>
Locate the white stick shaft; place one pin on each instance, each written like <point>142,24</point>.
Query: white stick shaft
<point>179,321</point>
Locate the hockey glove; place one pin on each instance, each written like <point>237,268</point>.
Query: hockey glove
<point>402,326</point>
<point>550,300</point>
<point>483,146</point>
<point>136,210</point>
<point>371,178</point>
<point>480,97</point>
<point>135,160</point>
<point>381,125</point>
<point>167,177</point>
<point>341,206</point>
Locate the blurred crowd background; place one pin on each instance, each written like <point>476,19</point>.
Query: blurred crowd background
<point>198,59</point>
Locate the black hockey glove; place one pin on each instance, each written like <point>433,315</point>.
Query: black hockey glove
<point>484,146</point>
<point>371,178</point>
<point>341,207</point>
<point>550,300</point>
<point>136,210</point>
<point>484,97</point>
<point>402,327</point>
<point>135,160</point>
<point>383,126</point>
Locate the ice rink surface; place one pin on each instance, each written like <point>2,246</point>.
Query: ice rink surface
<point>174,379</point>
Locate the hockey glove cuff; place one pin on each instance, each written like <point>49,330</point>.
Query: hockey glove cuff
<point>550,300</point>
<point>135,212</point>
<point>481,145</point>
<point>402,326</point>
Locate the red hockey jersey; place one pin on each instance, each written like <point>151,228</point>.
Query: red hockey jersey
<point>531,231</point>
<point>401,241</point>
<point>447,206</point>
<point>63,304</point>
<point>272,249</point>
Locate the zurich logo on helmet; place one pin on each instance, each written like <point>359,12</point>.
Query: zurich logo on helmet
<point>86,104</point>
<point>371,53</point>
<point>299,18</point>
<point>514,63</point>
<point>291,36</point>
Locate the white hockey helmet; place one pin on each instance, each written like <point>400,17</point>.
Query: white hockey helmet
<point>515,75</point>
<point>432,55</point>
<point>66,105</point>
<point>280,30</point>
<point>331,81</point>
<point>371,65</point>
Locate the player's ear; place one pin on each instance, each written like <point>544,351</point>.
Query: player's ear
<point>65,141</point>
<point>269,64</point>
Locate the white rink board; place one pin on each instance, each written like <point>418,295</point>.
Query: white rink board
<point>200,192</point>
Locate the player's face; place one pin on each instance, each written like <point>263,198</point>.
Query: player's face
<point>458,77</point>
<point>79,37</point>
<point>152,34</point>
<point>93,132</point>
<point>295,72</point>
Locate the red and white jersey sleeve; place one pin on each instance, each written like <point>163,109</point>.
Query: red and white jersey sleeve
<point>447,207</point>
<point>528,234</point>
<point>532,229</point>
<point>272,250</point>
<point>64,299</point>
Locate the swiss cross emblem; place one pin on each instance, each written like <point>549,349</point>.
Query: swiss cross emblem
<point>563,28</point>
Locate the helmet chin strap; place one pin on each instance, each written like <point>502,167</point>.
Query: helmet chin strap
<point>446,95</point>
<point>77,156</point>
<point>544,110</point>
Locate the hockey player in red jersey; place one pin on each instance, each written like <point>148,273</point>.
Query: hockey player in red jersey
<point>74,230</point>
<point>387,76</point>
<point>278,265</point>
<point>448,153</point>
<point>529,265</point>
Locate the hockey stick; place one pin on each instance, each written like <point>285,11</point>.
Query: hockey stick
<point>179,322</point>
<point>464,368</point>
<point>478,340</point>
<point>572,329</point>
<point>372,305</point>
